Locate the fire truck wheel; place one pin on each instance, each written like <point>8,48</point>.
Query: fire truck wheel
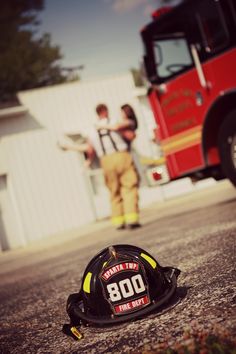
<point>227,146</point>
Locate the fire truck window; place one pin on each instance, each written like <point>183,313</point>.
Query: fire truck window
<point>171,56</point>
<point>212,26</point>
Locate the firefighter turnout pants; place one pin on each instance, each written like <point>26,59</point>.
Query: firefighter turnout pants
<point>122,181</point>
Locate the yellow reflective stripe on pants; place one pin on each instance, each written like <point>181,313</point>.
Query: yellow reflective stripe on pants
<point>131,218</point>
<point>118,220</point>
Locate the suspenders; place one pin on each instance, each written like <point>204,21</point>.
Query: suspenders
<point>106,133</point>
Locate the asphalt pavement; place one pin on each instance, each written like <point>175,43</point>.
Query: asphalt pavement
<point>195,232</point>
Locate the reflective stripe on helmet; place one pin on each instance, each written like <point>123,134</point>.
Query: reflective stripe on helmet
<point>87,281</point>
<point>149,260</point>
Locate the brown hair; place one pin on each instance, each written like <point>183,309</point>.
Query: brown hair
<point>101,108</point>
<point>130,114</point>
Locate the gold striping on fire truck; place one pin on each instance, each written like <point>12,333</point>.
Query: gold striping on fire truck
<point>182,140</point>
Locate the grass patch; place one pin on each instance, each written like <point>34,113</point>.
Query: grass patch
<point>196,341</point>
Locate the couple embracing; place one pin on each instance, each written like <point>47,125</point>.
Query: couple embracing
<point>111,141</point>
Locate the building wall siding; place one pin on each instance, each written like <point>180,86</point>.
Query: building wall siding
<point>50,188</point>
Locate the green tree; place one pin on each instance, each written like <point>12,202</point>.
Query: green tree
<point>25,61</point>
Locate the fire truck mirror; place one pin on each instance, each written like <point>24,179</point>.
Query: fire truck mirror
<point>149,68</point>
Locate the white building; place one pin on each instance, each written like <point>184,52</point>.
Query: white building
<point>44,190</point>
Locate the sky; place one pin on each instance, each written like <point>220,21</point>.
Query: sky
<point>102,35</point>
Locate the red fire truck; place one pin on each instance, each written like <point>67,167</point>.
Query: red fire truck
<point>190,63</point>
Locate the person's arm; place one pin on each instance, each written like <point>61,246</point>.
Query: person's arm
<point>117,127</point>
<point>90,152</point>
<point>85,148</point>
<point>74,147</point>
<point>122,125</point>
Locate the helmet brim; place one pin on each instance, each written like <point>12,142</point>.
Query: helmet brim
<point>76,313</point>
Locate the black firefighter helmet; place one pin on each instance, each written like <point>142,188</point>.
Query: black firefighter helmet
<point>121,283</point>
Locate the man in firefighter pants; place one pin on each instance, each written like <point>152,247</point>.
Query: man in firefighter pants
<point>119,171</point>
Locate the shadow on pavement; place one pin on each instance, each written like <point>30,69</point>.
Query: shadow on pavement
<point>179,296</point>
